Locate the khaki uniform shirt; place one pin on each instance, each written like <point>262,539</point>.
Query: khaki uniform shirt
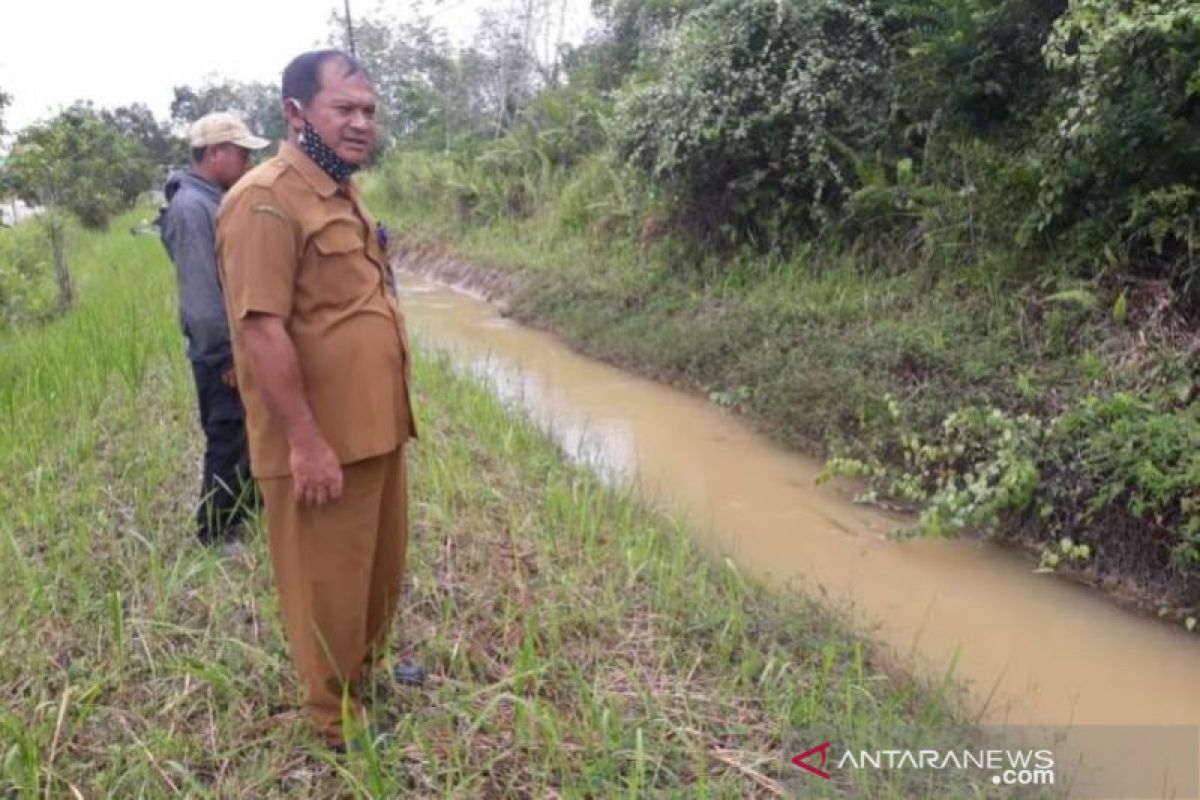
<point>294,243</point>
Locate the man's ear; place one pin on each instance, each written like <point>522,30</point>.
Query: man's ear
<point>293,114</point>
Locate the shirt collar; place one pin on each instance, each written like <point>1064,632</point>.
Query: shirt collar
<point>313,175</point>
<point>204,183</point>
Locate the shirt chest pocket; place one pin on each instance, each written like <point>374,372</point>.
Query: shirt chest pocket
<point>337,269</point>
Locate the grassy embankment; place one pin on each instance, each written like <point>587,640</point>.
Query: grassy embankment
<point>830,352</point>
<point>579,644</point>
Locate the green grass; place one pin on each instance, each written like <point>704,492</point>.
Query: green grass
<point>579,644</point>
<point>54,378</point>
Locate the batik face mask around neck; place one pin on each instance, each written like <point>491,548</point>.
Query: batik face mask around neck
<point>323,155</point>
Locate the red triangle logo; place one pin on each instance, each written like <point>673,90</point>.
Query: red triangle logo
<point>823,749</point>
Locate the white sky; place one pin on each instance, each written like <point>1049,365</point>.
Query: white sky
<point>116,52</point>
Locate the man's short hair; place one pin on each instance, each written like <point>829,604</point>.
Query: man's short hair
<point>302,77</point>
<point>198,154</point>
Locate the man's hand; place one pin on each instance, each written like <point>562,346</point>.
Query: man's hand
<point>316,473</point>
<point>229,378</point>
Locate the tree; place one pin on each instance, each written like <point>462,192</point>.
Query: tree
<point>261,108</point>
<point>501,73</point>
<point>5,102</point>
<point>138,122</point>
<point>634,36</point>
<point>412,70</point>
<point>258,104</point>
<point>431,94</point>
<point>189,105</point>
<point>77,164</point>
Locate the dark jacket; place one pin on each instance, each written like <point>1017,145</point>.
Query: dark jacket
<point>188,229</point>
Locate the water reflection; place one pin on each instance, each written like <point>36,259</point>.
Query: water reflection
<point>605,445</point>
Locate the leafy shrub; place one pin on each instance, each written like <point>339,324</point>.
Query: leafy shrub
<point>596,200</point>
<point>27,290</point>
<point>976,64</point>
<point>512,176</point>
<point>1115,476</point>
<point>740,126</point>
<point>1130,132</point>
<point>1128,456</point>
<point>568,123</point>
<point>978,469</point>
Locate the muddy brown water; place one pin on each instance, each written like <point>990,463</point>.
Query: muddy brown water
<point>1031,649</point>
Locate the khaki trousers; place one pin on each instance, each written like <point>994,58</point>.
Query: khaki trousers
<point>338,569</point>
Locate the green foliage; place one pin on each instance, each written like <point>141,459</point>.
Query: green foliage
<point>571,124</point>
<point>1068,551</point>
<point>26,277</point>
<point>1115,470</point>
<point>597,200</point>
<point>77,163</point>
<point>977,469</point>
<point>971,93</point>
<point>1059,137</point>
<point>633,38</point>
<point>892,220</point>
<point>438,97</point>
<point>139,123</point>
<point>1129,455</point>
<point>741,126</point>
<point>516,174</point>
<point>408,180</point>
<point>498,76</point>
<point>975,64</point>
<point>1127,147</point>
<point>509,176</point>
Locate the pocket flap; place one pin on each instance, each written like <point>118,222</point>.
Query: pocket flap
<point>336,239</point>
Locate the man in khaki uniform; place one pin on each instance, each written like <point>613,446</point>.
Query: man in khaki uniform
<point>322,362</point>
